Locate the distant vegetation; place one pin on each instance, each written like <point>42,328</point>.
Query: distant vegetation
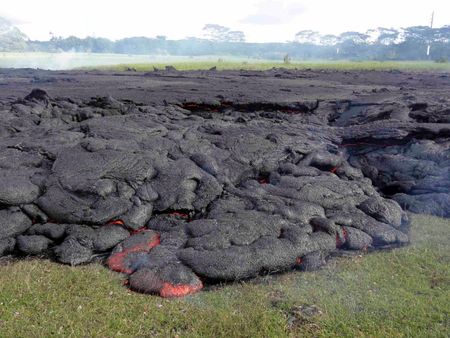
<point>11,38</point>
<point>378,44</point>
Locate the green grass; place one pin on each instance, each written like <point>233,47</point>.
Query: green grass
<point>117,62</point>
<point>264,65</point>
<point>399,293</point>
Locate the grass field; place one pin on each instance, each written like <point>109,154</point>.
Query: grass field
<point>264,65</point>
<point>399,293</point>
<point>147,62</point>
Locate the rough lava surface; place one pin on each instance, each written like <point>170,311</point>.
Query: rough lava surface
<point>180,179</point>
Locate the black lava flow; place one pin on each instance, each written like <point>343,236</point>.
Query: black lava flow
<point>176,196</point>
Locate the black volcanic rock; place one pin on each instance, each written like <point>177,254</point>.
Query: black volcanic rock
<point>180,193</point>
<point>13,222</point>
<point>38,95</point>
<point>33,244</point>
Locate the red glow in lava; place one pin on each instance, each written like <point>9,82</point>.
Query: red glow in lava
<point>116,261</point>
<point>263,180</point>
<point>190,105</point>
<point>339,242</point>
<point>363,144</point>
<point>137,231</point>
<point>169,290</point>
<point>179,214</point>
<point>333,170</point>
<point>345,233</point>
<point>115,222</point>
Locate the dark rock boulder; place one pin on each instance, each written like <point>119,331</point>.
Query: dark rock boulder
<point>32,244</point>
<point>108,236</point>
<point>50,230</point>
<point>17,189</point>
<point>72,252</point>
<point>7,245</point>
<point>13,222</point>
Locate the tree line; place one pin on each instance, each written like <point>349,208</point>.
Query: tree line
<point>379,44</point>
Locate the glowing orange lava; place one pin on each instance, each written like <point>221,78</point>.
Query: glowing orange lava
<point>116,261</point>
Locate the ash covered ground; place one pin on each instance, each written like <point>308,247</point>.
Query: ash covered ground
<point>180,179</point>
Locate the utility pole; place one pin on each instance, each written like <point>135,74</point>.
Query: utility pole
<point>431,26</point>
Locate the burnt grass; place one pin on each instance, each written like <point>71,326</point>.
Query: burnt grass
<point>186,179</point>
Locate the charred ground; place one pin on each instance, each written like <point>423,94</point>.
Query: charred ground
<point>194,177</point>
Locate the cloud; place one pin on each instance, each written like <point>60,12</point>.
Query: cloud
<point>13,20</point>
<point>274,12</point>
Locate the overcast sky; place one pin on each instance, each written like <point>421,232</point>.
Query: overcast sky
<point>261,20</point>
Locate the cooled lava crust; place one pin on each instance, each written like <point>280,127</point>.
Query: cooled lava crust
<point>184,190</point>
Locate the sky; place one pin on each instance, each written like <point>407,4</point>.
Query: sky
<point>261,20</point>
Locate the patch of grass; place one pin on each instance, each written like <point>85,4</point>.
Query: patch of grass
<point>120,62</point>
<point>265,65</point>
<point>399,293</point>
